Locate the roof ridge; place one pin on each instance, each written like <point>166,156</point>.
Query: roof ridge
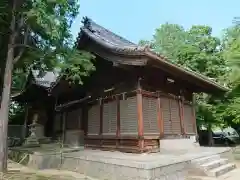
<point>89,23</point>
<point>136,47</point>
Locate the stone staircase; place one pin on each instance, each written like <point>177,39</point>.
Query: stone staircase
<point>236,153</point>
<point>212,166</point>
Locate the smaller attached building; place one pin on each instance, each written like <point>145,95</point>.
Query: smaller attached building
<point>37,100</point>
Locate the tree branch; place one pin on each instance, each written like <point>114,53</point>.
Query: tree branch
<point>21,22</point>
<point>3,33</point>
<point>18,56</point>
<point>16,59</point>
<point>23,46</point>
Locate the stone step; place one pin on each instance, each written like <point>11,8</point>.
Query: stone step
<point>236,156</point>
<point>213,164</point>
<point>207,159</point>
<point>221,170</point>
<point>236,151</point>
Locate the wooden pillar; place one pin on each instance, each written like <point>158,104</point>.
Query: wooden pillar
<point>101,117</point>
<point>63,119</point>
<point>118,122</point>
<point>85,123</point>
<point>181,114</point>
<point>170,114</point>
<point>101,121</point>
<point>25,126</point>
<point>140,116</point>
<point>194,115</point>
<point>85,119</point>
<point>159,116</point>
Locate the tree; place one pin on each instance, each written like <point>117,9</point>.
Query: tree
<point>230,105</point>
<point>39,38</point>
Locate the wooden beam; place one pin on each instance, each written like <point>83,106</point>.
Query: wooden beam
<point>25,121</point>
<point>71,103</point>
<point>118,121</point>
<point>140,117</point>
<point>159,117</point>
<point>149,94</point>
<point>181,114</point>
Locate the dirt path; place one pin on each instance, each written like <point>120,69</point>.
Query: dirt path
<point>19,172</point>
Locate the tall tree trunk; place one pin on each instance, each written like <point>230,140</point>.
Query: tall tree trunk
<point>4,111</point>
<point>210,135</point>
<point>4,37</point>
<point>5,100</point>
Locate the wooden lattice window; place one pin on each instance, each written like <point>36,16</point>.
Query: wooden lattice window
<point>175,117</point>
<point>171,116</point>
<point>94,120</point>
<point>110,118</point>
<point>166,115</point>
<point>188,119</point>
<point>150,123</point>
<point>128,116</point>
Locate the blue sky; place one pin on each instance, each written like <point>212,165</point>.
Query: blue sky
<point>138,19</point>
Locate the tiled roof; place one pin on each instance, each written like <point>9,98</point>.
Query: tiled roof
<point>109,39</point>
<point>120,45</point>
<point>45,80</point>
<point>105,34</point>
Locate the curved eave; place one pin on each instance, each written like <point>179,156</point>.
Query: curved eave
<point>23,95</point>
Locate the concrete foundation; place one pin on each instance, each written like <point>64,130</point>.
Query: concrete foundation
<point>124,166</point>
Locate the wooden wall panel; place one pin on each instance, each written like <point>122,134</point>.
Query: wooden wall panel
<point>171,116</point>
<point>166,115</point>
<point>188,119</point>
<point>150,124</point>
<point>94,120</point>
<point>73,119</point>
<point>42,116</point>
<point>110,118</point>
<point>175,117</point>
<point>57,122</point>
<point>128,116</point>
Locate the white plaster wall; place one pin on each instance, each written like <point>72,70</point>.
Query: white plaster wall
<point>74,138</point>
<point>179,144</point>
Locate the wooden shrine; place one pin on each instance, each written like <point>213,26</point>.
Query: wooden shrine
<point>134,99</point>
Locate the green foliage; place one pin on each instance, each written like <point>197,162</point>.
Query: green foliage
<point>230,107</point>
<point>46,23</point>
<point>42,41</point>
<point>168,40</point>
<point>77,65</point>
<point>16,113</point>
